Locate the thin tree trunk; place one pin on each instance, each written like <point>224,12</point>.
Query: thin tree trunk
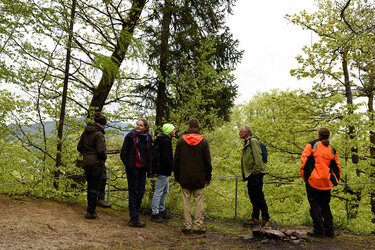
<point>65,90</point>
<point>161,98</point>
<point>349,100</point>
<point>117,57</point>
<point>372,136</point>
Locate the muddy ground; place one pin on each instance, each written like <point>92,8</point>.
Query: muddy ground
<point>47,224</point>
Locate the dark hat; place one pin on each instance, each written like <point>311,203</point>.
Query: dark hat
<point>99,118</point>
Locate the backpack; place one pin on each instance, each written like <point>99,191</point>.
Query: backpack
<point>264,151</point>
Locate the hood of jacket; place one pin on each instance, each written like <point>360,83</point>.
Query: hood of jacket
<point>192,138</point>
<point>92,128</point>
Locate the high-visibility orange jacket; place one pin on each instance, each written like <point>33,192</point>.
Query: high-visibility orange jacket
<point>320,166</point>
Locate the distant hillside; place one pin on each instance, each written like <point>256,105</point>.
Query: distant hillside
<point>121,128</point>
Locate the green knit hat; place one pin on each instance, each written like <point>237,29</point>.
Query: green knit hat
<point>167,128</point>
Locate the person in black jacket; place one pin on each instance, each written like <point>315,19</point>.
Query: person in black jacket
<point>93,148</point>
<point>162,167</point>
<point>137,158</point>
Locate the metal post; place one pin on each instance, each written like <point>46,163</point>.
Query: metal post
<point>235,205</point>
<point>109,183</point>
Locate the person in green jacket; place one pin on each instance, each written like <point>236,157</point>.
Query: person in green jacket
<point>253,169</point>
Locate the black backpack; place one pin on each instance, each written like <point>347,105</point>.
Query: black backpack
<point>264,152</point>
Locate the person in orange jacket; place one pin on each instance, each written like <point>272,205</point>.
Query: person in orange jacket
<point>320,169</point>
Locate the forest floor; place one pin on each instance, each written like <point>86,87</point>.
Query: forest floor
<point>47,224</point>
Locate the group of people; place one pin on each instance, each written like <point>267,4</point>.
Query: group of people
<point>192,169</point>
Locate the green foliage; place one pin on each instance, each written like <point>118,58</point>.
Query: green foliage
<point>200,91</point>
<point>191,53</point>
<point>199,83</point>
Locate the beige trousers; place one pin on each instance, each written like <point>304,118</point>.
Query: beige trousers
<point>198,195</point>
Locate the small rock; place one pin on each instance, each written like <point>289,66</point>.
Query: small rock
<point>296,242</point>
<point>296,234</point>
<point>293,237</point>
<point>289,232</point>
<point>275,233</point>
<point>265,241</point>
<point>248,237</point>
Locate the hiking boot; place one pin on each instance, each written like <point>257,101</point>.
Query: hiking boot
<point>165,215</point>
<point>199,231</point>
<point>186,231</point>
<point>315,234</point>
<point>265,222</point>
<point>102,203</point>
<point>135,222</point>
<point>90,215</point>
<point>252,222</point>
<point>157,218</point>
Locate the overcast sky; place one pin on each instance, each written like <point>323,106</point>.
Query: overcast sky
<point>270,43</point>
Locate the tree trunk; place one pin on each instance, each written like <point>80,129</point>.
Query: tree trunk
<point>161,98</point>
<point>109,73</point>
<point>349,100</point>
<point>64,95</point>
<point>372,136</point>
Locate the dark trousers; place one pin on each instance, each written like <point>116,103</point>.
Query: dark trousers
<point>320,210</point>
<point>136,187</point>
<point>102,184</point>
<point>93,181</point>
<point>255,189</point>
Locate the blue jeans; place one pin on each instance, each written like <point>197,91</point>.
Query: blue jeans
<point>161,191</point>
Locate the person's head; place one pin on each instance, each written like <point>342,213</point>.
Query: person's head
<point>169,130</point>
<point>323,135</point>
<point>194,124</point>
<point>100,119</point>
<point>245,132</point>
<point>142,125</point>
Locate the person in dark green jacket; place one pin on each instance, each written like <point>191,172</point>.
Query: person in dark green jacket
<point>253,169</point>
<point>93,148</point>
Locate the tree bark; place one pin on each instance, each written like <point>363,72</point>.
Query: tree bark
<point>372,134</point>
<point>161,98</point>
<point>64,95</point>
<point>349,100</point>
<point>109,73</point>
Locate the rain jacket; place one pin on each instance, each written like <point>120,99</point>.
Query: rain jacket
<point>192,161</point>
<point>93,148</point>
<point>251,160</point>
<point>320,166</point>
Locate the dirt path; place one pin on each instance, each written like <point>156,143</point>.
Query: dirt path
<point>45,224</point>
